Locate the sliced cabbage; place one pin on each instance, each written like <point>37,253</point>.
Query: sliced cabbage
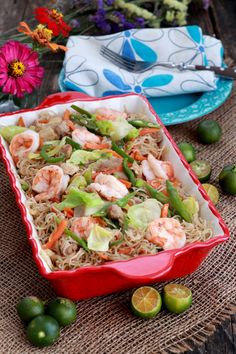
<point>78,182</point>
<point>117,129</point>
<point>133,133</point>
<point>141,215</point>
<point>83,157</point>
<point>99,238</point>
<point>76,197</point>
<point>9,132</point>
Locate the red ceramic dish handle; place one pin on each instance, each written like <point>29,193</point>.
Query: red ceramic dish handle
<point>63,97</point>
<point>147,266</point>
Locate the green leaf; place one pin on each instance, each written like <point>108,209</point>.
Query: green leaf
<point>99,239</point>
<point>76,197</point>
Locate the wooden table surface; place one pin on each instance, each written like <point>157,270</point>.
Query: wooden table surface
<point>219,20</point>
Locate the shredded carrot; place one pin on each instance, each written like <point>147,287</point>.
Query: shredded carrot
<point>21,122</point>
<point>54,210</point>
<point>146,131</point>
<point>125,250</point>
<point>99,220</point>
<point>103,256</point>
<point>56,234</point>
<point>41,141</point>
<point>70,124</point>
<point>96,146</point>
<point>69,213</point>
<point>113,153</point>
<point>43,121</point>
<point>66,115</point>
<point>125,182</point>
<point>137,156</point>
<point>164,211</point>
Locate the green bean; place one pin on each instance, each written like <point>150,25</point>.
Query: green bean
<point>177,203</point>
<point>122,202</point>
<point>79,240</point>
<point>73,143</point>
<point>161,197</point>
<point>81,111</point>
<point>50,159</point>
<point>129,173</point>
<point>121,152</point>
<point>137,123</point>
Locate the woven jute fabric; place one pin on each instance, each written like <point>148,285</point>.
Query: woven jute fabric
<point>105,325</point>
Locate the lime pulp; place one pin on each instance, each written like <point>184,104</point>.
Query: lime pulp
<point>177,298</point>
<point>212,192</point>
<point>146,302</point>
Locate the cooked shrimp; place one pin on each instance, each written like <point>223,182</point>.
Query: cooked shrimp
<point>104,113</point>
<point>24,143</point>
<point>82,136</point>
<point>108,186</point>
<point>153,168</point>
<point>49,182</point>
<point>166,233</point>
<point>82,226</point>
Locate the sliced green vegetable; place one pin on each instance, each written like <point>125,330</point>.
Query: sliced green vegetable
<point>81,111</point>
<point>83,157</point>
<point>9,132</point>
<point>99,238</point>
<point>122,202</point>
<point>76,197</point>
<point>24,185</point>
<point>177,203</point>
<point>44,154</point>
<point>161,197</point>
<point>71,142</point>
<point>76,238</point>
<point>129,173</point>
<point>140,215</point>
<point>133,133</point>
<point>138,123</point>
<point>121,152</point>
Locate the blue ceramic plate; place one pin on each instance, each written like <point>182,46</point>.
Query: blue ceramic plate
<point>183,108</point>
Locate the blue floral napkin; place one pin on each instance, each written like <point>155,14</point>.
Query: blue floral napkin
<point>87,71</point>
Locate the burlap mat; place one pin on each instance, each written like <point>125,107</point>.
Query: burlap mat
<point>105,324</point>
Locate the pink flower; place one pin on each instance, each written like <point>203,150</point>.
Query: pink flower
<point>20,71</point>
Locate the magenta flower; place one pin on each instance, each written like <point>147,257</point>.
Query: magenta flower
<point>20,71</point>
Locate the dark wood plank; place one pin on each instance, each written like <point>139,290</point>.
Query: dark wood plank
<point>224,22</point>
<point>12,12</point>
<point>200,17</point>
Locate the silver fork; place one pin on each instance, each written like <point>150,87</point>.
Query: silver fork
<point>137,66</point>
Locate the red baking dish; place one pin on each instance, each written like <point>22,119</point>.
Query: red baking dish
<point>115,276</point>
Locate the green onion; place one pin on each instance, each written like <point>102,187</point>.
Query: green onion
<point>79,240</point>
<point>161,197</point>
<point>129,173</point>
<point>177,203</point>
<point>121,152</point>
<point>81,111</point>
<point>137,123</point>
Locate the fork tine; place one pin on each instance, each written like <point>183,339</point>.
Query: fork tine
<point>118,59</point>
<point>118,56</point>
<point>116,62</point>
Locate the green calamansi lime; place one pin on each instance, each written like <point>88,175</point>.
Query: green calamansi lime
<point>29,307</point>
<point>146,302</point>
<point>63,310</point>
<point>202,170</point>
<point>209,132</point>
<point>43,331</point>
<point>188,151</point>
<point>212,192</point>
<point>227,179</point>
<point>191,205</point>
<point>177,298</point>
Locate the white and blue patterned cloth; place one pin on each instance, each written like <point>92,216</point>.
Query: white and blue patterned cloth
<point>87,71</point>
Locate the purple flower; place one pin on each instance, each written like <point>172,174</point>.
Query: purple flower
<point>75,23</point>
<point>109,2</point>
<point>140,22</point>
